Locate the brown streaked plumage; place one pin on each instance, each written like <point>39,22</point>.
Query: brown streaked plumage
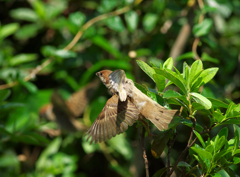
<point>114,119</point>
<point>66,112</point>
<point>124,89</point>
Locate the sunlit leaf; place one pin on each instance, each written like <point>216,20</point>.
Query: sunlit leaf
<point>172,76</point>
<point>168,64</point>
<point>195,71</point>
<point>202,100</point>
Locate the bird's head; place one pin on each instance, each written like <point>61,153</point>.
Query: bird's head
<point>103,75</point>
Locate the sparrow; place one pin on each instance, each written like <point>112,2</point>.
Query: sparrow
<point>127,105</point>
<point>66,112</point>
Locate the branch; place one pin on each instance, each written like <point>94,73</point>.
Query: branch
<point>72,43</point>
<point>144,151</point>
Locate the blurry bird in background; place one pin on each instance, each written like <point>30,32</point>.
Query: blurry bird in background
<point>127,105</point>
<point>66,112</point>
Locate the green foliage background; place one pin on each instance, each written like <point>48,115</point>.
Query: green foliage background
<point>33,31</point>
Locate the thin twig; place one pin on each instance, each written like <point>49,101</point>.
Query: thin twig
<point>72,43</point>
<point>144,151</point>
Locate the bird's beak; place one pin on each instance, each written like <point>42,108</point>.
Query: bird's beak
<point>97,74</point>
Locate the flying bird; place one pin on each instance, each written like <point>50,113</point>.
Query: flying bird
<point>66,112</point>
<point>127,105</point>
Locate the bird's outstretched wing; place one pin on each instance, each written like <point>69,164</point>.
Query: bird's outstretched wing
<point>117,80</point>
<point>80,99</point>
<point>114,119</point>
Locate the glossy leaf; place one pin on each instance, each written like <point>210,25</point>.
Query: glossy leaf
<point>160,82</point>
<point>205,76</point>
<point>27,31</point>
<point>195,71</point>
<point>172,76</point>
<point>217,102</point>
<point>146,68</point>
<point>202,100</point>
<point>168,64</point>
<point>199,138</point>
<point>202,153</point>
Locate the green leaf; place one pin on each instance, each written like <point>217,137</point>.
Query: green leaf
<point>187,55</point>
<point>160,82</point>
<point>77,18</point>
<point>103,43</point>
<point>197,106</point>
<point>131,18</point>
<point>52,51</point>
<point>51,149</point>
<point>172,76</point>
<point>218,103</point>
<point>202,28</point>
<point>141,88</point>
<point>4,94</point>
<point>107,6</point>
<point>206,57</point>
<point>183,164</point>
<point>27,31</point>
<point>121,145</point>
<point>189,123</point>
<point>29,86</point>
<point>202,153</point>
<point>217,115</point>
<point>22,58</point>
<point>229,121</point>
<point>9,159</point>
<point>205,77</point>
<point>149,21</point>
<point>8,30</point>
<point>160,142</point>
<point>199,138</point>
<point>24,14</point>
<point>195,71</point>
<point>236,142</point>
<point>202,100</point>
<point>115,23</point>
<point>171,93</point>
<point>160,172</point>
<point>218,144</point>
<point>146,68</point>
<point>236,160</point>
<point>168,64</point>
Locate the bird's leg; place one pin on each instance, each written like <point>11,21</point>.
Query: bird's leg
<point>145,124</point>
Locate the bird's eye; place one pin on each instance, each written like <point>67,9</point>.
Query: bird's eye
<point>101,74</point>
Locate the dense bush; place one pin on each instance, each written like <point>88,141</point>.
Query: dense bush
<point>59,45</point>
